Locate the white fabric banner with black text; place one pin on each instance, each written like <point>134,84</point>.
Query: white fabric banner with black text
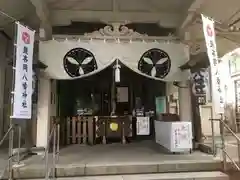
<point>218,92</point>
<point>22,101</point>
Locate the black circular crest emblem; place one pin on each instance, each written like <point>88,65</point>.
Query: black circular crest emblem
<point>155,62</point>
<point>78,62</point>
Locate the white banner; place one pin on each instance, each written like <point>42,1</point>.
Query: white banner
<point>218,93</point>
<point>22,99</point>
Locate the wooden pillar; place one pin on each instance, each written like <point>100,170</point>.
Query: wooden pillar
<point>90,130</point>
<point>74,120</point>
<point>43,116</point>
<point>197,121</point>
<point>185,109</point>
<point>197,125</point>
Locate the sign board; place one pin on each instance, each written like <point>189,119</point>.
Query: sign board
<point>234,63</point>
<point>182,135</point>
<point>218,92</point>
<point>22,95</point>
<point>160,103</point>
<point>237,94</point>
<point>143,126</point>
<point>200,87</point>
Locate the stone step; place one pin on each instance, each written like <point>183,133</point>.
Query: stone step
<point>215,175</point>
<point>92,169</point>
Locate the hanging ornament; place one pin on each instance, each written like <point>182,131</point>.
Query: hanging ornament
<point>117,72</point>
<point>117,75</point>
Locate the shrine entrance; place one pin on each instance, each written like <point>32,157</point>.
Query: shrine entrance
<point>100,110</point>
<point>114,89</point>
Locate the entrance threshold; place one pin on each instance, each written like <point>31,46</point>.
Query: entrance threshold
<point>114,159</point>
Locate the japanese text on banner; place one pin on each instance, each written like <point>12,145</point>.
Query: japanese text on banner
<point>215,63</point>
<point>22,100</point>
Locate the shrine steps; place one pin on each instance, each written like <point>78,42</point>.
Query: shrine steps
<point>136,161</point>
<point>161,176</point>
<point>153,170</point>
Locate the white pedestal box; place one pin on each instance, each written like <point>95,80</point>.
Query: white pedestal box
<point>174,136</point>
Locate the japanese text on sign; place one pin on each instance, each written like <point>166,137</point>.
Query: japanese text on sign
<point>217,84</point>
<point>199,85</point>
<point>24,78</point>
<point>22,100</point>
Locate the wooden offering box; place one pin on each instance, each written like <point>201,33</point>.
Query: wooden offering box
<point>117,127</point>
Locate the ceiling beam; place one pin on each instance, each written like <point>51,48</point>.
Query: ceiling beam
<point>43,13</point>
<point>64,17</point>
<point>193,12</point>
<point>195,60</point>
<point>191,16</point>
<point>115,6</point>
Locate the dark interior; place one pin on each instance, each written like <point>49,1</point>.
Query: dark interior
<point>94,93</point>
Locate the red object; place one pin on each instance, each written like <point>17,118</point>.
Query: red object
<point>26,38</point>
<point>209,31</point>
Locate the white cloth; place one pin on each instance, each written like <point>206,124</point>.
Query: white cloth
<point>52,53</point>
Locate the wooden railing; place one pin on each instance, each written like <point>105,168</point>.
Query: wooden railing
<point>80,130</point>
<point>87,129</point>
<point>76,130</point>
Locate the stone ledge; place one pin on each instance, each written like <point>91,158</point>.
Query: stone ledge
<point>120,169</point>
<point>215,175</point>
<point>38,171</point>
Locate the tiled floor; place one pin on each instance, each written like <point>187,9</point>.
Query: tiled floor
<point>142,152</point>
